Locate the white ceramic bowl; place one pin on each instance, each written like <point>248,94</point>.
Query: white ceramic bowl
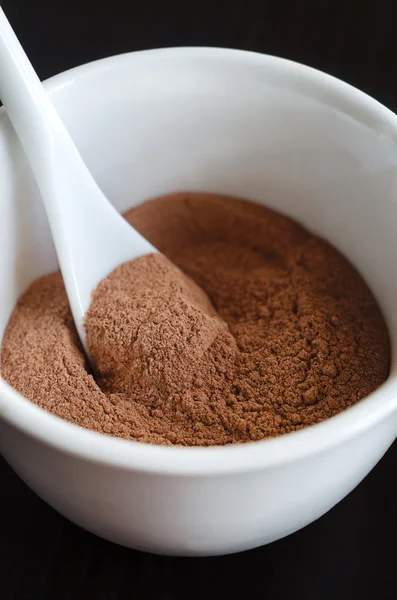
<point>237,123</point>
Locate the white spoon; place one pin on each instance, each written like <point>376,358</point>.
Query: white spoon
<point>90,236</point>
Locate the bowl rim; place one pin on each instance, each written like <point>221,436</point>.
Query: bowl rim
<point>98,448</point>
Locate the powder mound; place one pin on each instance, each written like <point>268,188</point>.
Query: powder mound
<point>262,329</point>
<point>150,326</point>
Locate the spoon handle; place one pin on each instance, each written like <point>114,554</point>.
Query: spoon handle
<point>29,108</point>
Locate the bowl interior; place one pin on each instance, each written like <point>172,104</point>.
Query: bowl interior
<point>225,122</point>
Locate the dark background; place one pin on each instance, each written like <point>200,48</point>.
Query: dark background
<point>352,551</point>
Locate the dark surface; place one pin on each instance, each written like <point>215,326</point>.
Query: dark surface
<point>352,551</point>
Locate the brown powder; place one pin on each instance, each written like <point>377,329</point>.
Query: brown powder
<point>285,334</point>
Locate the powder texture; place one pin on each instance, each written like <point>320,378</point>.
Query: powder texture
<point>262,330</point>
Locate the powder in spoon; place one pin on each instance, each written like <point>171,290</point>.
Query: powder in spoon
<point>262,330</point>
